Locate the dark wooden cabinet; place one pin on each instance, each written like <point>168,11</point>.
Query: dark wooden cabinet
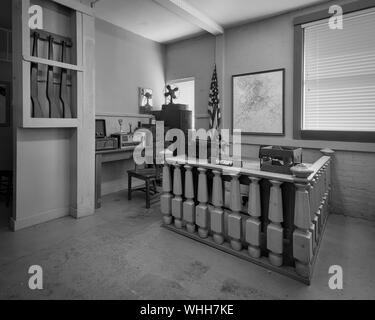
<point>175,116</point>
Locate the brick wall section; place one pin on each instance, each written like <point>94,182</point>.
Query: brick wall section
<point>354,184</point>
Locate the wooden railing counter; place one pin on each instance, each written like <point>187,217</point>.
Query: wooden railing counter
<point>227,170</point>
<point>278,223</point>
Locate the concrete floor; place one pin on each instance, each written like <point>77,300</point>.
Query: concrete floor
<point>122,253</point>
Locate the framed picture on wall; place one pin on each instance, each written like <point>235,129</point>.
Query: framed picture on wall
<point>4,104</point>
<point>145,100</point>
<point>258,102</point>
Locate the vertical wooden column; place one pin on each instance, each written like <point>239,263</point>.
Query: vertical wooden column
<point>189,205</point>
<point>325,193</point>
<point>329,153</point>
<point>177,200</point>
<point>166,197</point>
<point>83,139</point>
<point>320,210</point>
<point>217,214</point>
<point>234,219</point>
<point>302,237</point>
<point>201,209</point>
<point>253,224</point>
<point>274,229</point>
<point>314,215</point>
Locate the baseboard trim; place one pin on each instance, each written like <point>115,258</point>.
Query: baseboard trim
<point>18,224</point>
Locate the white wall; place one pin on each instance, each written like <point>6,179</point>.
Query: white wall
<point>124,62</point>
<point>193,58</point>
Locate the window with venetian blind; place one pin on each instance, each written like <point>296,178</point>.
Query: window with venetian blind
<point>338,75</point>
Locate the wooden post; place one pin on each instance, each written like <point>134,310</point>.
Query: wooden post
<point>328,188</point>
<point>274,229</point>
<point>166,197</point>
<point>253,224</point>
<point>234,219</point>
<point>302,237</point>
<point>320,210</point>
<point>325,192</point>
<point>189,205</point>
<point>201,209</point>
<point>217,214</point>
<point>177,200</point>
<point>314,215</point>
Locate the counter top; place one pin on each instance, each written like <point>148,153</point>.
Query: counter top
<point>251,167</point>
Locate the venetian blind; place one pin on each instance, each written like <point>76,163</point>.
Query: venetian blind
<point>339,74</point>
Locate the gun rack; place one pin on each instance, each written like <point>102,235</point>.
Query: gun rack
<point>57,39</point>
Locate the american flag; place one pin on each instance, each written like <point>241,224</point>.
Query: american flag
<point>213,103</point>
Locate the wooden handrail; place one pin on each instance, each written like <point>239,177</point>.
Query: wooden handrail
<point>230,170</point>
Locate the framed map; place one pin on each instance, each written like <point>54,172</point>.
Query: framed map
<point>258,102</point>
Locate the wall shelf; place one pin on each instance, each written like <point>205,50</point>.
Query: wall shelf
<point>53,63</point>
<point>124,115</point>
<point>50,123</point>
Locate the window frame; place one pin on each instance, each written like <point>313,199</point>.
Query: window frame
<point>175,82</point>
<point>298,76</point>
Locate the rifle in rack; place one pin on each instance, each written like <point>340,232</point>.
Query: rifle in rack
<point>55,110</point>
<point>67,113</point>
<point>36,111</point>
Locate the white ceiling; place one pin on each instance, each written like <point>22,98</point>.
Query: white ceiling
<point>152,21</point>
<point>228,13</point>
<point>146,18</point>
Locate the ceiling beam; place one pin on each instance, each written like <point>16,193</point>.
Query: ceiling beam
<point>192,15</point>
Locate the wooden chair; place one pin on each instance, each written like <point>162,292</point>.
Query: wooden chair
<point>6,180</point>
<point>150,175</point>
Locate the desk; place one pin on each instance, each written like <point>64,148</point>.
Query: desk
<point>108,156</point>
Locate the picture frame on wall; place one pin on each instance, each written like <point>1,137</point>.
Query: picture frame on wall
<point>145,100</point>
<point>4,104</point>
<point>258,102</point>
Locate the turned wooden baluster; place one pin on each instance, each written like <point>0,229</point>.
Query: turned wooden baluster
<point>201,210</point>
<point>313,214</point>
<point>177,200</point>
<point>253,224</point>
<point>327,190</point>
<point>234,218</point>
<point>302,237</point>
<point>189,205</point>
<point>320,211</point>
<point>274,229</point>
<point>166,197</point>
<point>217,214</point>
<point>324,193</point>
